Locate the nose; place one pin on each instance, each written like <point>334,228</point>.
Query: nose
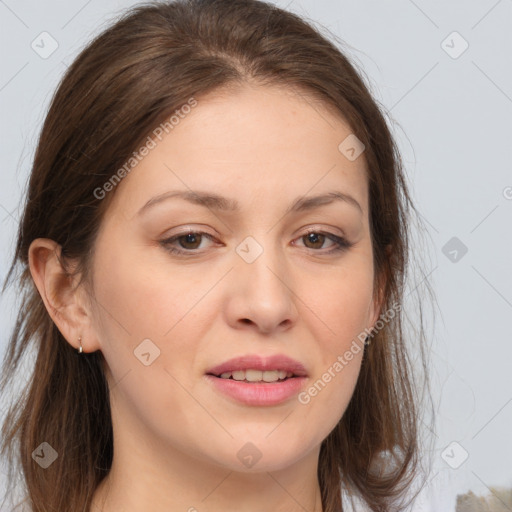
<point>261,295</point>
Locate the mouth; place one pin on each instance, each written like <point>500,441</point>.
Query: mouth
<point>256,376</point>
<point>256,387</point>
<point>255,368</point>
<point>258,381</point>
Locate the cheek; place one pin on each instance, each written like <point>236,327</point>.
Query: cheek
<point>137,300</point>
<point>340,304</point>
<point>136,303</point>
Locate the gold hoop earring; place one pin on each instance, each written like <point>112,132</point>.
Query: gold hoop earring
<point>80,350</point>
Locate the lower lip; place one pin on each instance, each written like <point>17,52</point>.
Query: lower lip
<point>259,394</point>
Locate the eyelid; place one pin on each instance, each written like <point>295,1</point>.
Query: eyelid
<point>322,229</point>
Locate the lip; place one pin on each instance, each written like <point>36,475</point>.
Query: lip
<point>258,394</point>
<point>255,362</point>
<point>261,393</point>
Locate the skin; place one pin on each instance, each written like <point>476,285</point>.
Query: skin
<point>176,438</point>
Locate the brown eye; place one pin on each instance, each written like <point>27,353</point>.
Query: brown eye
<point>188,242</point>
<point>315,239</point>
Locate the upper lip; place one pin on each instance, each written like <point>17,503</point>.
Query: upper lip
<point>255,362</point>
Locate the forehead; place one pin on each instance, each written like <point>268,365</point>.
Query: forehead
<point>249,143</point>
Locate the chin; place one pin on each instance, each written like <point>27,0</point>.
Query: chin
<point>261,455</point>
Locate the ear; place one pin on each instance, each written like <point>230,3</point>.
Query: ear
<point>65,302</point>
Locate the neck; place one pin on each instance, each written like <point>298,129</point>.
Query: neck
<point>147,476</point>
<point>140,483</point>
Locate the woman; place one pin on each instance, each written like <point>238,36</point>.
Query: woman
<point>213,253</point>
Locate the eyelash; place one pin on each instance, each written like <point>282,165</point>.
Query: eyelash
<point>341,244</point>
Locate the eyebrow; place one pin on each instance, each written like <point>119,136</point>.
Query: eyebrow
<point>218,202</point>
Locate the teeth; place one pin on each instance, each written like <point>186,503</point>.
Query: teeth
<point>271,376</point>
<point>253,375</point>
<point>257,375</point>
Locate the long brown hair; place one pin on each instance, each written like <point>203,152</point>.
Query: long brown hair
<point>120,87</point>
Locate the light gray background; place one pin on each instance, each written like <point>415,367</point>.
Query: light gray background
<point>453,120</point>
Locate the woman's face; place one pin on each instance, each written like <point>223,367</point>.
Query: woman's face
<point>249,283</point>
